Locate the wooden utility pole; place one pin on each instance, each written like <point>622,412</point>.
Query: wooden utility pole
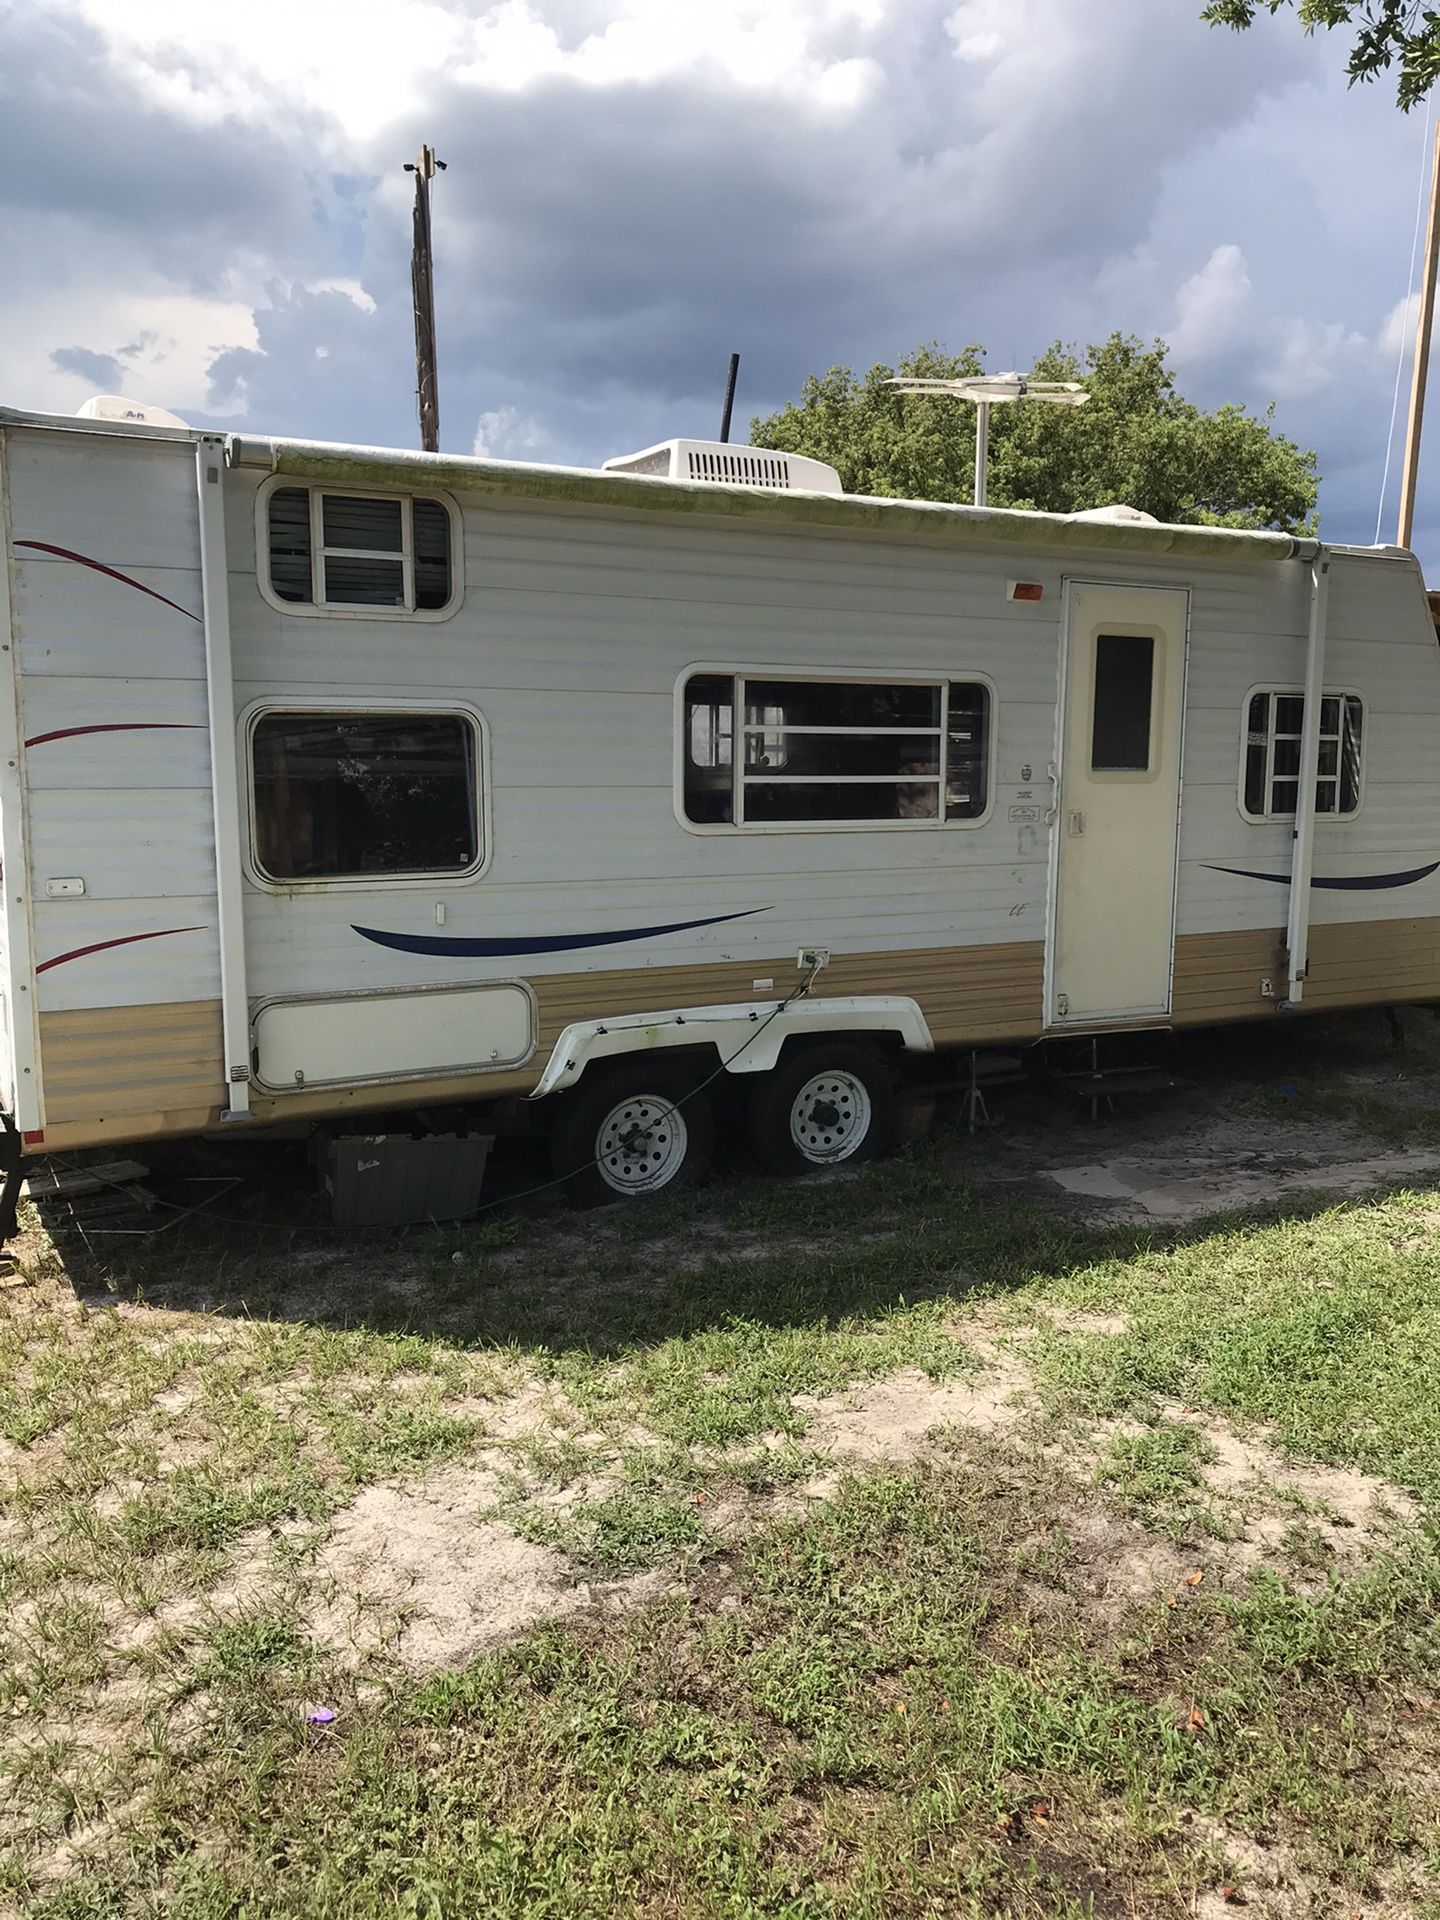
<point>422,282</point>
<point>1422,355</point>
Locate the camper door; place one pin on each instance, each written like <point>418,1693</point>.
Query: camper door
<point>1112,927</point>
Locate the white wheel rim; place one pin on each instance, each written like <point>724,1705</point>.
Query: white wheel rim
<point>830,1118</point>
<point>641,1144</point>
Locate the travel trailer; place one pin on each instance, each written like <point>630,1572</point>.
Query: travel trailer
<point>339,782</point>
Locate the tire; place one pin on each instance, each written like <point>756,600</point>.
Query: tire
<point>633,1131</point>
<point>828,1105</point>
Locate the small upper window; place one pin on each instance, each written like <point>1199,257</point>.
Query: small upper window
<point>376,551</point>
<point>1273,731</point>
<point>354,795</point>
<point>852,752</point>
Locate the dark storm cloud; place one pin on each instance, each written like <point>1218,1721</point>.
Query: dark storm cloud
<point>89,164</point>
<point>101,369</point>
<point>635,233</point>
<point>324,368</point>
<point>601,248</point>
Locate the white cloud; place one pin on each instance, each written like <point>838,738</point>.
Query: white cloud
<point>173,337</point>
<point>352,290</point>
<point>507,433</point>
<point>977,47</point>
<point>1397,334</point>
<point>364,64</point>
<point>373,64</point>
<point>1305,356</point>
<point>1211,308</point>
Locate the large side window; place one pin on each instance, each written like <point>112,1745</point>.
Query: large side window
<point>1271,774</point>
<point>343,796</point>
<point>766,751</point>
<point>375,551</point>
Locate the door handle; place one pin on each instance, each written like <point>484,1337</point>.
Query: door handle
<point>1053,775</point>
<point>1075,824</point>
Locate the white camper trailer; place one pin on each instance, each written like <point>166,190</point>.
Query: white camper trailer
<point>338,780</point>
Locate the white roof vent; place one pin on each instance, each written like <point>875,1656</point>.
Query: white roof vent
<point>138,413</point>
<point>724,464</point>
<point>1118,515</point>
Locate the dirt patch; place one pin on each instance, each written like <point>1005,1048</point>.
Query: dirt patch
<point>1112,1559</point>
<point>415,1570</point>
<point>1108,1326</point>
<point>891,1420</point>
<point>1355,1515</point>
<point>1266,1879</point>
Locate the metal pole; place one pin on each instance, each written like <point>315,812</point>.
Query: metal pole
<point>224,777</point>
<point>422,284</point>
<point>982,449</point>
<point>1297,932</point>
<point>1422,356</point>
<point>729,397</point>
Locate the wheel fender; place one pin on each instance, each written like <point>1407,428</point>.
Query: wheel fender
<point>748,1035</point>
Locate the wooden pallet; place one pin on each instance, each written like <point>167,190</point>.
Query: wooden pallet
<point>69,1183</point>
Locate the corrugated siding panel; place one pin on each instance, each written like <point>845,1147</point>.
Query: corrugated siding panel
<point>116,735</point>
<point>145,848</point>
<point>105,1064</point>
<point>73,620</point>
<point>1368,963</point>
<point>117,762</point>
<point>575,631</point>
<point>131,1072</point>
<point>160,965</point>
<point>966,993</point>
<point>128,503</point>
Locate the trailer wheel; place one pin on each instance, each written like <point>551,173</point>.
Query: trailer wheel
<point>632,1132</point>
<point>830,1105</point>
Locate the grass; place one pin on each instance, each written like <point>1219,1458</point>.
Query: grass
<point>1157,1475</point>
<point>975,1681</point>
<point>883,1725</point>
<point>620,1533</point>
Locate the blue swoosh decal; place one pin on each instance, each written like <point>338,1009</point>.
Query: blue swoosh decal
<point>464,948</point>
<point>1361,883</point>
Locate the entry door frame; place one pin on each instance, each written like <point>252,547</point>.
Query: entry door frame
<point>1054,1022</point>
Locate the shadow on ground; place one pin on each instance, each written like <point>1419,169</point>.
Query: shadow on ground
<point>953,1214</point>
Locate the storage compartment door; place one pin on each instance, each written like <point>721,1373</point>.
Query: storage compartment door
<point>359,1038</point>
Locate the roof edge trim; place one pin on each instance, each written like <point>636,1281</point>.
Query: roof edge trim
<point>583,486</point>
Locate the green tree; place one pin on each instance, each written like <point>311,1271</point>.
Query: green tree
<point>1387,32</point>
<point>1135,441</point>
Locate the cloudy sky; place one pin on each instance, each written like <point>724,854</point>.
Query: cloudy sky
<point>202,203</point>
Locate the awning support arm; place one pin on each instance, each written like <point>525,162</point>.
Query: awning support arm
<point>1297,933</point>
<point>224,774</point>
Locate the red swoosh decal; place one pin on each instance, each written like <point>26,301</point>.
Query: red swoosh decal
<point>100,946</point>
<point>84,560</point>
<point>114,726</point>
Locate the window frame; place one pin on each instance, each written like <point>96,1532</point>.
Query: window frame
<point>865,676</point>
<point>1289,691</point>
<point>349,609</point>
<point>378,706</point>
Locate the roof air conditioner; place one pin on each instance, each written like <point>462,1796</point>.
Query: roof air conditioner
<point>723,464</point>
<point>142,413</point>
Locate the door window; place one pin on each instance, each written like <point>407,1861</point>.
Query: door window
<point>1120,731</point>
